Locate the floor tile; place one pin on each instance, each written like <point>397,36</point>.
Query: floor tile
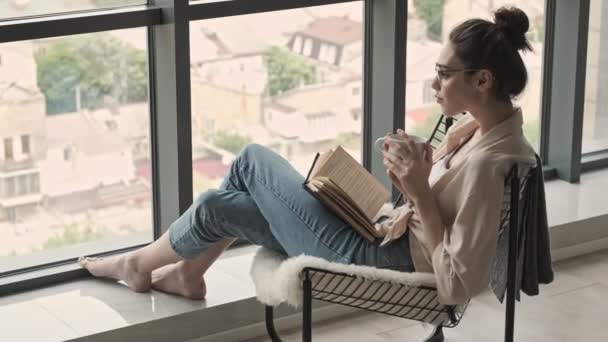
<point>590,268</point>
<point>572,308</point>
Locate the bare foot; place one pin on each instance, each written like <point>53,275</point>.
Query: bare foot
<point>173,279</point>
<point>119,267</point>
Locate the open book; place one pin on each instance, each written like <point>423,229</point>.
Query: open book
<point>348,189</point>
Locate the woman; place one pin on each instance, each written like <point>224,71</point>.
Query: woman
<point>455,196</point>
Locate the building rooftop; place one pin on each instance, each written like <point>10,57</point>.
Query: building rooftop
<point>13,92</point>
<point>337,30</point>
<point>83,132</point>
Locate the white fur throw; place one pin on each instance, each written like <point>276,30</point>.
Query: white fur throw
<point>278,279</point>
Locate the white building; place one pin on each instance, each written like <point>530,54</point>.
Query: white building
<point>309,119</point>
<point>131,122</point>
<point>82,156</point>
<point>334,43</point>
<point>457,11</point>
<point>22,132</point>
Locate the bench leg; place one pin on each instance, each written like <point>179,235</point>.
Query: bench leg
<point>274,337</point>
<point>307,311</point>
<point>436,335</point>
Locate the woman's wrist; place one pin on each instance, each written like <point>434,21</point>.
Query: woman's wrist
<point>423,196</point>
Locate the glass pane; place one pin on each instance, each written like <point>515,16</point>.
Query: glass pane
<point>595,124</point>
<point>429,25</point>
<point>75,157</point>
<point>290,80</point>
<point>26,8</point>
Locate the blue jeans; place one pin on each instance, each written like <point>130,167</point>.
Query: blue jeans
<point>262,200</point>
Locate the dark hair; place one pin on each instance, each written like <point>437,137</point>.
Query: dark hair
<point>482,44</point>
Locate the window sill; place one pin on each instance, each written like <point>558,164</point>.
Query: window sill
<point>92,310</point>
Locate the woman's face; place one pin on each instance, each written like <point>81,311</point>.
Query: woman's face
<point>457,91</point>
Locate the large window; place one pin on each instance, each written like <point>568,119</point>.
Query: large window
<point>26,8</point>
<point>595,124</point>
<point>429,25</point>
<point>75,169</point>
<point>289,80</point>
<point>78,149</point>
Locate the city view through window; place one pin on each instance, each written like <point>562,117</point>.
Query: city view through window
<point>74,147</point>
<point>289,80</point>
<point>75,160</point>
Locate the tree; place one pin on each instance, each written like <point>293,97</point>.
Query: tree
<point>432,13</point>
<point>425,129</point>
<point>286,71</point>
<point>99,68</point>
<point>231,141</point>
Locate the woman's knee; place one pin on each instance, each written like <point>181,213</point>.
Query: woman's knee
<point>257,153</point>
<point>209,205</point>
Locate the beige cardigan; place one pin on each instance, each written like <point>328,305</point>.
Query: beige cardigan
<point>469,196</point>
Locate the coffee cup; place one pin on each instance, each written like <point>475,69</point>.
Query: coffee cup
<point>379,144</point>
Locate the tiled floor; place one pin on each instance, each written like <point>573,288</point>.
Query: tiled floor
<point>572,308</point>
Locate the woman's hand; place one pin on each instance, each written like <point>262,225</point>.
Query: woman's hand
<point>407,168</point>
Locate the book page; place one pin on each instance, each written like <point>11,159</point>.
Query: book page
<point>320,162</point>
<point>335,201</point>
<point>363,188</point>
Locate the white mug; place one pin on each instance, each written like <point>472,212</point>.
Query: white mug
<point>420,142</point>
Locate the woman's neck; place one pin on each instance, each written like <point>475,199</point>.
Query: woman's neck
<point>492,114</point>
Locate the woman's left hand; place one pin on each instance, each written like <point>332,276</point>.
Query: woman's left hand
<point>407,166</point>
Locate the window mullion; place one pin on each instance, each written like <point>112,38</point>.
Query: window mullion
<point>170,111</point>
<point>384,77</point>
<point>567,68</point>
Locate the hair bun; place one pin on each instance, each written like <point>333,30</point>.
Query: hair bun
<point>514,23</point>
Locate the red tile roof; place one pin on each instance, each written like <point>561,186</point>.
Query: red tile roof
<point>205,167</point>
<point>338,30</point>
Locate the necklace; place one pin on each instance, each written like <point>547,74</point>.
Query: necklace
<point>464,147</point>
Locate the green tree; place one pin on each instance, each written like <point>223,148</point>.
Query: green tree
<point>432,13</point>
<point>425,129</point>
<point>102,68</point>
<point>73,234</point>
<point>231,141</point>
<point>286,71</point>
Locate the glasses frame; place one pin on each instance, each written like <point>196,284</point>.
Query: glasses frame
<point>439,68</point>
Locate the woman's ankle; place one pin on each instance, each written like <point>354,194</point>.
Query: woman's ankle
<point>133,263</point>
<point>189,270</point>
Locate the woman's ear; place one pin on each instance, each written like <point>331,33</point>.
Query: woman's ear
<point>485,80</point>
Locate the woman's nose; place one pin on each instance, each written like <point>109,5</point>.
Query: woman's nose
<point>435,84</point>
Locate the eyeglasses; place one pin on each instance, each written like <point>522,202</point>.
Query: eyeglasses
<point>444,72</point>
